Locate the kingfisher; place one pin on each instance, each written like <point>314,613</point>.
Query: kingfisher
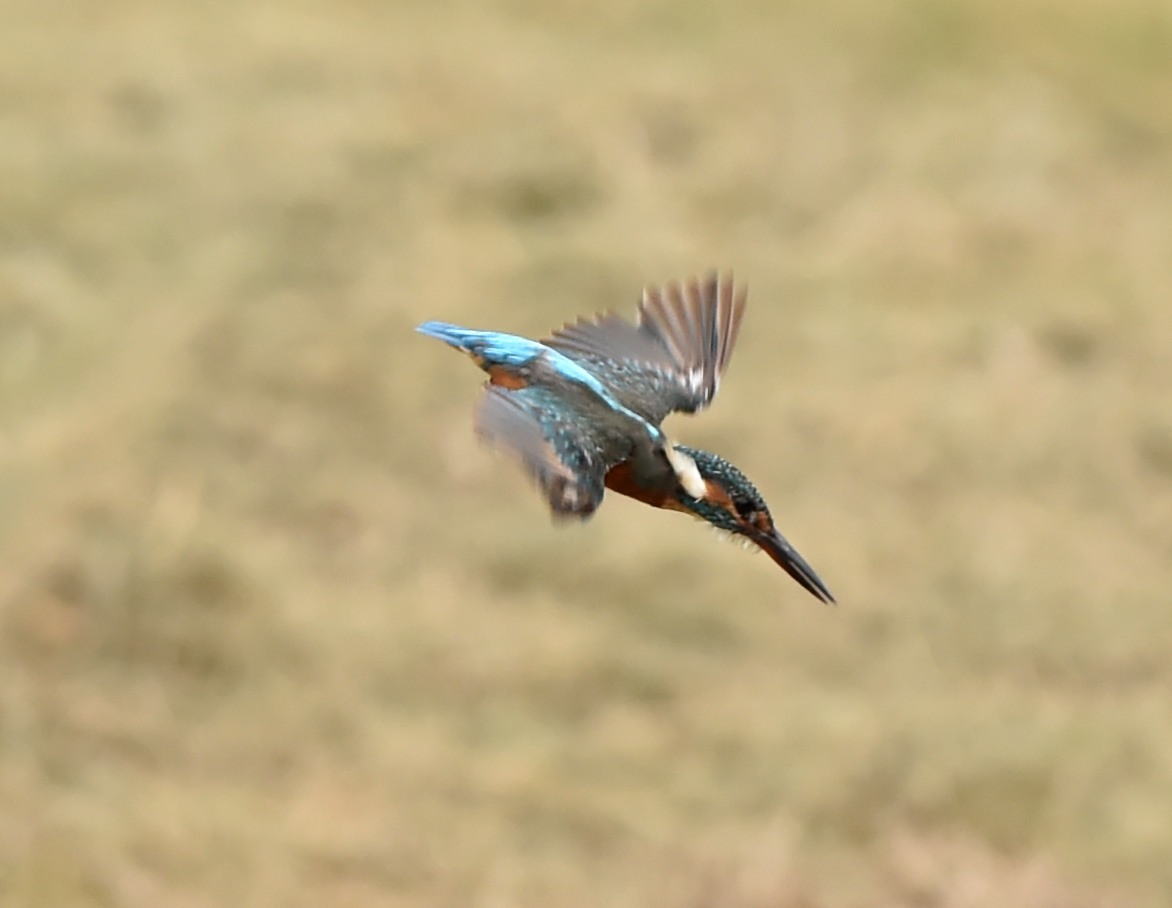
<point>582,410</point>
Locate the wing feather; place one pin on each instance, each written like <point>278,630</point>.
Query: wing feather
<point>674,357</point>
<point>568,463</point>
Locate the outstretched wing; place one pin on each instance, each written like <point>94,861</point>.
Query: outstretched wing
<point>674,357</point>
<point>565,447</point>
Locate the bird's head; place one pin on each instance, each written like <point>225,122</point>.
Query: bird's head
<point>731,503</point>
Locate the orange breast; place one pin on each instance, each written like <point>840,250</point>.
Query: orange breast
<point>619,479</point>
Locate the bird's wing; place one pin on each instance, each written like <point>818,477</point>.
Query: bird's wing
<point>565,447</point>
<point>674,357</point>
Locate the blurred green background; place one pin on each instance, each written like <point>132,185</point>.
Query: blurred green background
<point>274,630</point>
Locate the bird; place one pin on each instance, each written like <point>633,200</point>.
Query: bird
<point>582,410</point>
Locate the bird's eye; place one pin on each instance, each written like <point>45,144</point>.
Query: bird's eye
<point>745,508</point>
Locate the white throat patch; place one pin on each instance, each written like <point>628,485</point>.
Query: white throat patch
<point>686,470</point>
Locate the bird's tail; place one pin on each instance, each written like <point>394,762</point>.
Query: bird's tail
<point>488,348</point>
<point>465,339</point>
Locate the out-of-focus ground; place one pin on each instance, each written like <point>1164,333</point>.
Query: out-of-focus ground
<point>274,630</point>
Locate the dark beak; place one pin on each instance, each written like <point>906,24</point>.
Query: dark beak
<point>776,546</point>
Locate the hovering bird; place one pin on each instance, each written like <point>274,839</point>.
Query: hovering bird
<point>582,410</point>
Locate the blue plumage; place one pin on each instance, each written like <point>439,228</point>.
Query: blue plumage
<point>492,348</point>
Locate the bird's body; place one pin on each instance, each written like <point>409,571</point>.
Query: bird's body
<point>582,410</point>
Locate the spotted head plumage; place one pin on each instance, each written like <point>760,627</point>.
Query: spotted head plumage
<point>582,410</point>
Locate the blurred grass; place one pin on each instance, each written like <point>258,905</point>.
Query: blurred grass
<point>273,630</point>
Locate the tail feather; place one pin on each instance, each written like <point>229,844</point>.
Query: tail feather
<point>489,348</point>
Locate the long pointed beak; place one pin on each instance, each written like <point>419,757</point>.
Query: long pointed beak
<point>779,549</point>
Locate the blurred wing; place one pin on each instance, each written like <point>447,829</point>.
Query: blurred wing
<point>674,357</point>
<point>698,324</point>
<point>564,454</point>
